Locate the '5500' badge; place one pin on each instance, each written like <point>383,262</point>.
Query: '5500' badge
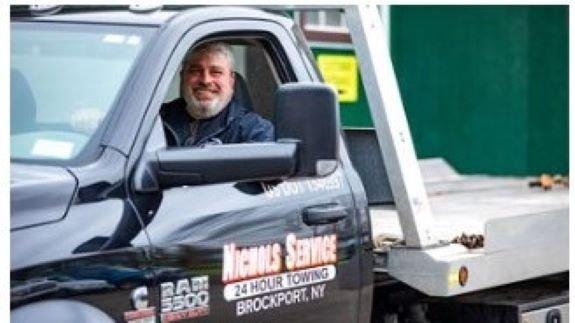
<point>185,299</point>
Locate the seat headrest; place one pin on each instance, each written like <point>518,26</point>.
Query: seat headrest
<point>242,92</point>
<point>22,103</point>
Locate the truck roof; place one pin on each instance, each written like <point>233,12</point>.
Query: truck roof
<point>114,17</point>
<point>122,14</point>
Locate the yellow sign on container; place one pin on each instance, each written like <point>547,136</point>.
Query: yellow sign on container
<point>340,71</point>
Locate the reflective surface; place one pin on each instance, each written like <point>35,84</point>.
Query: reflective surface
<point>63,80</point>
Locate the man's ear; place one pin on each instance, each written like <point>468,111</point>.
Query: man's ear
<point>232,79</point>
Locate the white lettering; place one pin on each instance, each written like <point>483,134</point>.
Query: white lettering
<point>310,252</point>
<point>267,302</point>
<point>291,252</point>
<point>279,282</point>
<point>167,289</point>
<point>183,287</point>
<point>228,268</point>
<point>166,305</point>
<point>185,294</point>
<point>178,303</point>
<point>290,188</point>
<point>249,262</point>
<point>317,291</point>
<point>200,283</point>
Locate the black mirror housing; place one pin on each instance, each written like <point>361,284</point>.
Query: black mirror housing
<point>215,164</point>
<point>309,114</point>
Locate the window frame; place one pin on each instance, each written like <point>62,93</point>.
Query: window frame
<point>322,33</point>
<point>283,46</point>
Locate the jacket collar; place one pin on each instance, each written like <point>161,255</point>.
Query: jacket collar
<point>212,127</point>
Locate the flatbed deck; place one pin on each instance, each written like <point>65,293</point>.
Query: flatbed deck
<point>524,228</point>
<point>464,204</point>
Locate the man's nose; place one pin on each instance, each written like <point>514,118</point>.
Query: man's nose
<point>205,77</point>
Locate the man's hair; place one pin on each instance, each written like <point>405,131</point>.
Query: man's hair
<point>211,47</point>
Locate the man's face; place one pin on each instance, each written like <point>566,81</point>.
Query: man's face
<point>207,84</point>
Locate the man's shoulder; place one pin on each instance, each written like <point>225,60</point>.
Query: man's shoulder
<point>253,127</point>
<point>252,118</point>
<point>174,113</point>
<point>173,108</point>
<point>243,114</point>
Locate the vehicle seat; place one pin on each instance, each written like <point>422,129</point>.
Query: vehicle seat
<point>22,103</point>
<point>242,92</point>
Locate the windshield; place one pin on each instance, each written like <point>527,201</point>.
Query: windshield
<point>64,78</point>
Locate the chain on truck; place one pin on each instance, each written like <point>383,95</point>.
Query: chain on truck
<point>110,223</point>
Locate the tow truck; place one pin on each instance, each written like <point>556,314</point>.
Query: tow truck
<point>109,223</point>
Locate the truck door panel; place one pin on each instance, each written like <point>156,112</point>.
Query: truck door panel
<point>201,233</point>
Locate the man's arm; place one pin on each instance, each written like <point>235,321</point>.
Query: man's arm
<point>174,119</point>
<point>256,129</point>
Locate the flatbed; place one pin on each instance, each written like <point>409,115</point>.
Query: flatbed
<point>465,203</point>
<point>524,229</point>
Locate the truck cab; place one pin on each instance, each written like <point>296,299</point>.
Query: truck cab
<point>110,223</point>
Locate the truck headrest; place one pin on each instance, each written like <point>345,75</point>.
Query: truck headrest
<point>242,92</point>
<point>22,103</point>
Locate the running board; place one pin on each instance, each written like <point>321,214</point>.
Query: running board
<point>516,248</point>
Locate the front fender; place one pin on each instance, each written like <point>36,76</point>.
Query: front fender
<point>59,311</point>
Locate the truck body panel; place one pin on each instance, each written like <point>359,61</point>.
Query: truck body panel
<point>49,189</point>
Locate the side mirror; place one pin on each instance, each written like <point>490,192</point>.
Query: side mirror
<point>174,167</point>
<point>309,114</point>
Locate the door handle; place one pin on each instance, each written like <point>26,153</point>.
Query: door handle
<point>324,214</point>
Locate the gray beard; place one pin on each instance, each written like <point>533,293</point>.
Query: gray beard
<point>199,110</point>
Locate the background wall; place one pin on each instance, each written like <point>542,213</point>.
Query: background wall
<point>486,87</point>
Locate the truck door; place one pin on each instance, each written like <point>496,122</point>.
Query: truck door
<point>253,251</point>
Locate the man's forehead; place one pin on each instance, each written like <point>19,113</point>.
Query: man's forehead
<point>210,58</point>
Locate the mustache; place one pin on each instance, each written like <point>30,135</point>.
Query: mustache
<point>204,87</point>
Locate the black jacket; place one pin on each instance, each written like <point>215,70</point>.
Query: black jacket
<point>234,124</point>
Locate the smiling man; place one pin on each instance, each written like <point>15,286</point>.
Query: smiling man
<point>208,111</point>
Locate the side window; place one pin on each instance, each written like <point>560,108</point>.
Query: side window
<point>255,81</point>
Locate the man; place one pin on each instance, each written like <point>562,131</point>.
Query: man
<point>209,112</point>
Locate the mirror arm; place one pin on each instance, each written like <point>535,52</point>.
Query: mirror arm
<point>145,174</point>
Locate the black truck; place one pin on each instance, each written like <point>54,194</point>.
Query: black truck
<point>110,223</point>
